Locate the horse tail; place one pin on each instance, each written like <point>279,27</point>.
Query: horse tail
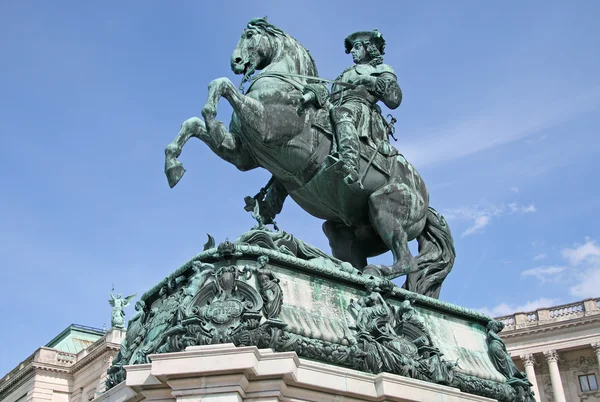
<point>435,259</point>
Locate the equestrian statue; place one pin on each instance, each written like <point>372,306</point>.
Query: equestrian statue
<point>328,150</point>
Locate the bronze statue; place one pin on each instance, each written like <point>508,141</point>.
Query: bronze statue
<point>385,209</point>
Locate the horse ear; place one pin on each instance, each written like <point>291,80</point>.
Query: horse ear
<point>265,18</point>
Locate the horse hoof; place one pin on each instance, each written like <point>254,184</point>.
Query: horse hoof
<point>174,174</point>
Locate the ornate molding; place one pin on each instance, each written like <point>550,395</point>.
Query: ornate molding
<point>583,363</point>
<point>551,356</point>
<point>549,326</point>
<point>22,376</point>
<point>232,294</point>
<point>283,248</point>
<point>92,357</point>
<point>51,367</point>
<point>528,359</point>
<point>596,346</point>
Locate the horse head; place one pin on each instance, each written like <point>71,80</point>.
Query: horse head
<point>263,44</point>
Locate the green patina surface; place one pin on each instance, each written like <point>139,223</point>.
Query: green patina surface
<point>75,338</point>
<point>271,290</point>
<point>328,149</point>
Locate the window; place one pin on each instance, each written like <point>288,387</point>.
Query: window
<point>588,382</point>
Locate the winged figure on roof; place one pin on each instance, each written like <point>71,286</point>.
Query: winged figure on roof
<point>118,304</point>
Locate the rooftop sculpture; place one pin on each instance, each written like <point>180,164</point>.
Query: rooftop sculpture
<point>118,304</point>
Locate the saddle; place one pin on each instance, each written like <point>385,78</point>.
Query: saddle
<point>381,154</point>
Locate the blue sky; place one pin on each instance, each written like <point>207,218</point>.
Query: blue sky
<point>500,115</point>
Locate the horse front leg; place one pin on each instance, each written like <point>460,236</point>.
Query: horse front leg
<point>250,111</point>
<point>215,92</point>
<point>174,169</point>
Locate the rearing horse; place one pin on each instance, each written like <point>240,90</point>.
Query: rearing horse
<point>270,129</point>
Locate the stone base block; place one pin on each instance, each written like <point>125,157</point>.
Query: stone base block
<point>225,373</point>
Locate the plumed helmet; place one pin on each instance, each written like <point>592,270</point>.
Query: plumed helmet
<point>375,37</point>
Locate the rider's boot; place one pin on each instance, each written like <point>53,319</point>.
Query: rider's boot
<point>348,150</point>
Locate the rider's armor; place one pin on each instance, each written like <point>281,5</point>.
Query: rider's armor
<point>356,115</point>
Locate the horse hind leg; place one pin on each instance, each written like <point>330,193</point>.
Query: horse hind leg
<point>344,244</point>
<point>397,214</point>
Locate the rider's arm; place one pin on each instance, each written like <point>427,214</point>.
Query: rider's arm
<point>387,90</point>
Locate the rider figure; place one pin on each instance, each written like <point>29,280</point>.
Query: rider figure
<point>353,109</point>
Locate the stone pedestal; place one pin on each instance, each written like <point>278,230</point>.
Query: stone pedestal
<point>272,291</point>
<point>225,373</point>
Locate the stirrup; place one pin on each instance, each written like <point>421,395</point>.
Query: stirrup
<point>350,174</point>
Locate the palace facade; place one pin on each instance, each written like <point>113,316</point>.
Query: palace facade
<point>559,349</point>
<point>70,368</point>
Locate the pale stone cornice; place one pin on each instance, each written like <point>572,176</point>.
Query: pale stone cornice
<point>24,369</point>
<point>29,366</point>
<point>549,326</point>
<point>541,346</point>
<point>17,379</point>
<point>252,372</point>
<point>51,367</point>
<point>92,356</point>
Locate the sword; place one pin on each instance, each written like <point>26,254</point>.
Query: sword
<point>371,159</point>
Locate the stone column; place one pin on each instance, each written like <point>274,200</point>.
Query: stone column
<point>557,388</point>
<point>596,347</point>
<point>528,362</point>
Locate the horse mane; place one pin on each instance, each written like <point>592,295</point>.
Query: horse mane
<point>262,25</point>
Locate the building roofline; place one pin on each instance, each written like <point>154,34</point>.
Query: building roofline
<point>82,328</point>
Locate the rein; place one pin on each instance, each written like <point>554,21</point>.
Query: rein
<point>284,76</point>
<point>281,76</point>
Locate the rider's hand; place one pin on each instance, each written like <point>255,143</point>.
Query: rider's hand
<point>308,97</point>
<point>360,91</point>
<point>367,80</point>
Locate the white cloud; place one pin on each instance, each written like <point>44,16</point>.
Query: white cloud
<point>540,256</point>
<point>497,125</point>
<point>545,273</point>
<point>585,259</point>
<point>582,262</point>
<point>481,215</point>
<point>479,223</point>
<point>514,189</point>
<point>521,209</point>
<point>588,285</point>
<point>589,252</point>
<point>503,309</point>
